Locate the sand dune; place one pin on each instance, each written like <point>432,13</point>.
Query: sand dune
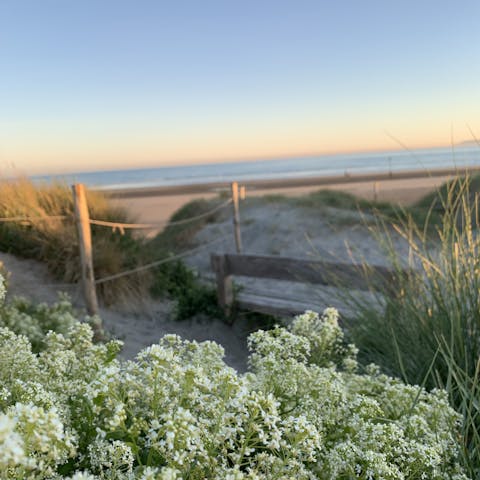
<point>268,227</point>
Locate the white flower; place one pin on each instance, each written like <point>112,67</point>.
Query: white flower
<point>301,412</point>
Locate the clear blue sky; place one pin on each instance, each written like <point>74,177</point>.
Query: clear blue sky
<point>112,84</point>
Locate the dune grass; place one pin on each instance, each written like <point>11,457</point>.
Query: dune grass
<point>176,238</point>
<point>322,199</point>
<point>54,241</point>
<point>429,332</point>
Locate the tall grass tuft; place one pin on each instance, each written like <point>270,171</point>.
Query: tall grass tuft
<point>54,241</point>
<point>430,330</point>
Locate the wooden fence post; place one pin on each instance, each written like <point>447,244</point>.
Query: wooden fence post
<point>85,243</point>
<point>236,217</point>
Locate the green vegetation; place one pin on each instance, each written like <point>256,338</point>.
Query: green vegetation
<point>174,238</point>
<point>420,213</point>
<point>175,278</point>
<point>338,199</point>
<point>191,295</point>
<point>429,333</point>
<point>24,317</point>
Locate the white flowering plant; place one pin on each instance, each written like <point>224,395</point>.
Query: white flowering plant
<point>35,320</point>
<point>74,411</point>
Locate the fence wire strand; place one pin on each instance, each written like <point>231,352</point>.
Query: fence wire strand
<point>162,261</point>
<point>121,226</point>
<point>166,223</point>
<point>33,219</point>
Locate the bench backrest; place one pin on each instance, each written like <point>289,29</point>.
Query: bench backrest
<point>298,270</point>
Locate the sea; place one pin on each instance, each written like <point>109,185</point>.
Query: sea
<point>281,168</point>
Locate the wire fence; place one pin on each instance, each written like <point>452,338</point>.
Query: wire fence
<point>121,227</point>
<point>34,219</point>
<point>157,263</point>
<point>149,226</point>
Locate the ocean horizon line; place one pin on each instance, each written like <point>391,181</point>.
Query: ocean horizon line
<point>281,168</point>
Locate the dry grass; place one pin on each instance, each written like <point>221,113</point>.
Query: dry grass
<point>54,241</point>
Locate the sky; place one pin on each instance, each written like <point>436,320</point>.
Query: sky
<point>107,84</point>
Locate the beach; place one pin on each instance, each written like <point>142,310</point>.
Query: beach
<point>157,204</point>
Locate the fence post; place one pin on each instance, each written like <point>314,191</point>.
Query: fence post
<point>85,243</point>
<point>236,217</point>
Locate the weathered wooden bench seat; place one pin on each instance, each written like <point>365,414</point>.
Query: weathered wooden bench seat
<point>294,270</point>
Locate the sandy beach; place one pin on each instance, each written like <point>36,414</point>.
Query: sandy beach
<point>157,204</point>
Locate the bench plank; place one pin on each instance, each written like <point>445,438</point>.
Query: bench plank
<point>274,306</point>
<point>300,270</point>
<point>308,271</point>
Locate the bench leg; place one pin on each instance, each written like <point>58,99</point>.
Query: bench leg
<point>224,283</point>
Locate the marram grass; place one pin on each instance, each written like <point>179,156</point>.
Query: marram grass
<point>54,241</point>
<point>429,332</point>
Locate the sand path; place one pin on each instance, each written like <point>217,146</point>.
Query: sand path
<point>138,326</point>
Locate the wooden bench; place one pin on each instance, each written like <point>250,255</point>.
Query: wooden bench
<point>352,276</point>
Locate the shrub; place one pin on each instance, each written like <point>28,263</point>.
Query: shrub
<point>303,411</point>
<point>192,297</point>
